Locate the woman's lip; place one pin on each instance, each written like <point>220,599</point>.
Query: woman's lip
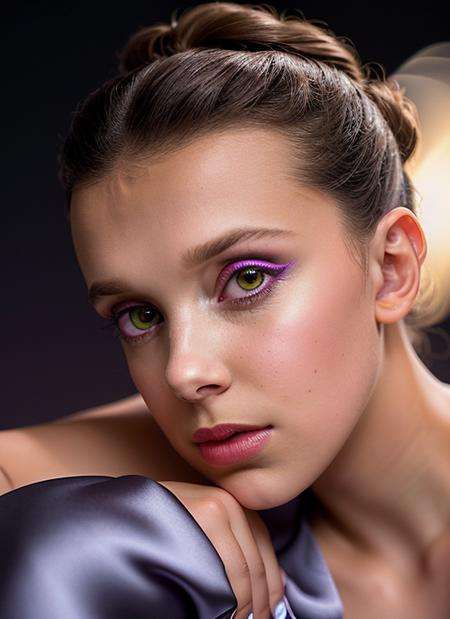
<point>238,447</point>
<point>222,431</point>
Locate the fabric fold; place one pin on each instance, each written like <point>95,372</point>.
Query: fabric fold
<point>100,547</point>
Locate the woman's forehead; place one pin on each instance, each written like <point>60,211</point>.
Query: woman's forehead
<point>236,172</point>
<point>213,169</point>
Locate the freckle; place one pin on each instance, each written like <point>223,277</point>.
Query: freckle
<point>315,371</point>
<point>309,390</point>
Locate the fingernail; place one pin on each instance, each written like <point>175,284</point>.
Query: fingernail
<point>280,611</point>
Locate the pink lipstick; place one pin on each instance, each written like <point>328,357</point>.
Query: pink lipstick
<point>232,443</point>
<point>221,431</point>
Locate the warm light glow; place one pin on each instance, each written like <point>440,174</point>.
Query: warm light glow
<point>425,78</point>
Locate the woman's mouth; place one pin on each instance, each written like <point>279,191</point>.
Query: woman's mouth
<point>236,448</point>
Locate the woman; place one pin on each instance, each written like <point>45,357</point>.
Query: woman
<point>240,210</point>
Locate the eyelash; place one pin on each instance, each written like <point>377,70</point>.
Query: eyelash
<point>276,270</point>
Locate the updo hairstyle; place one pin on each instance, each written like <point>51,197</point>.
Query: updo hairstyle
<point>223,65</point>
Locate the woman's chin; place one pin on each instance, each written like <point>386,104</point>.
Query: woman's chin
<point>257,489</point>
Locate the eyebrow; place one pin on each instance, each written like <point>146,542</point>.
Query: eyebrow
<point>194,256</point>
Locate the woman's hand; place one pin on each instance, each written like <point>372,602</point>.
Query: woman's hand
<point>242,540</point>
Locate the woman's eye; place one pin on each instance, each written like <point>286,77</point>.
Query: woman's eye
<point>244,282</point>
<point>247,281</point>
<point>135,322</point>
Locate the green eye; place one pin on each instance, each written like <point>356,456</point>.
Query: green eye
<point>141,317</point>
<point>250,277</point>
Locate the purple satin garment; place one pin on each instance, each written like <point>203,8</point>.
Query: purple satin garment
<point>100,547</point>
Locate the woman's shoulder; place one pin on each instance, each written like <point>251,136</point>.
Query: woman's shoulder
<point>119,438</point>
<point>5,481</point>
<point>130,405</point>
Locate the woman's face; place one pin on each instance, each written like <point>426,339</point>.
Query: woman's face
<point>302,358</point>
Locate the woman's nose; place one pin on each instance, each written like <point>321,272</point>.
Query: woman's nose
<point>194,377</point>
<point>193,394</point>
<point>195,368</point>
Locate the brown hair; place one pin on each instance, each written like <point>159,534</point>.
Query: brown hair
<point>223,65</point>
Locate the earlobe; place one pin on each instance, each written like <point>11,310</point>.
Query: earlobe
<point>402,252</point>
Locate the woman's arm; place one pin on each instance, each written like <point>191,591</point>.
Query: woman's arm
<point>96,547</point>
<point>125,442</point>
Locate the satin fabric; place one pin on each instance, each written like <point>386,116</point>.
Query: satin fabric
<point>100,547</point>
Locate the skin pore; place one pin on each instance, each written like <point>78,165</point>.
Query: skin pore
<point>324,358</point>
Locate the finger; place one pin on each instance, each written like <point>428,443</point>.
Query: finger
<point>274,576</point>
<point>212,515</point>
<point>214,519</point>
<point>257,570</point>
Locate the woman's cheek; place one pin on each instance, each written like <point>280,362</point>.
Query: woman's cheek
<point>321,357</point>
<point>148,378</point>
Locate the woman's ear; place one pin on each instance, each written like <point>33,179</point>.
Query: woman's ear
<point>398,250</point>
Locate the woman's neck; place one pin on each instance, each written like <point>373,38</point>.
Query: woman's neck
<point>386,495</point>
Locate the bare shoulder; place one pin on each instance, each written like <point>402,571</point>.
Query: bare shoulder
<point>130,405</point>
<point>5,481</point>
<point>121,441</point>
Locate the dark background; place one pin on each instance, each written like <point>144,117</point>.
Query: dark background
<point>57,358</point>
